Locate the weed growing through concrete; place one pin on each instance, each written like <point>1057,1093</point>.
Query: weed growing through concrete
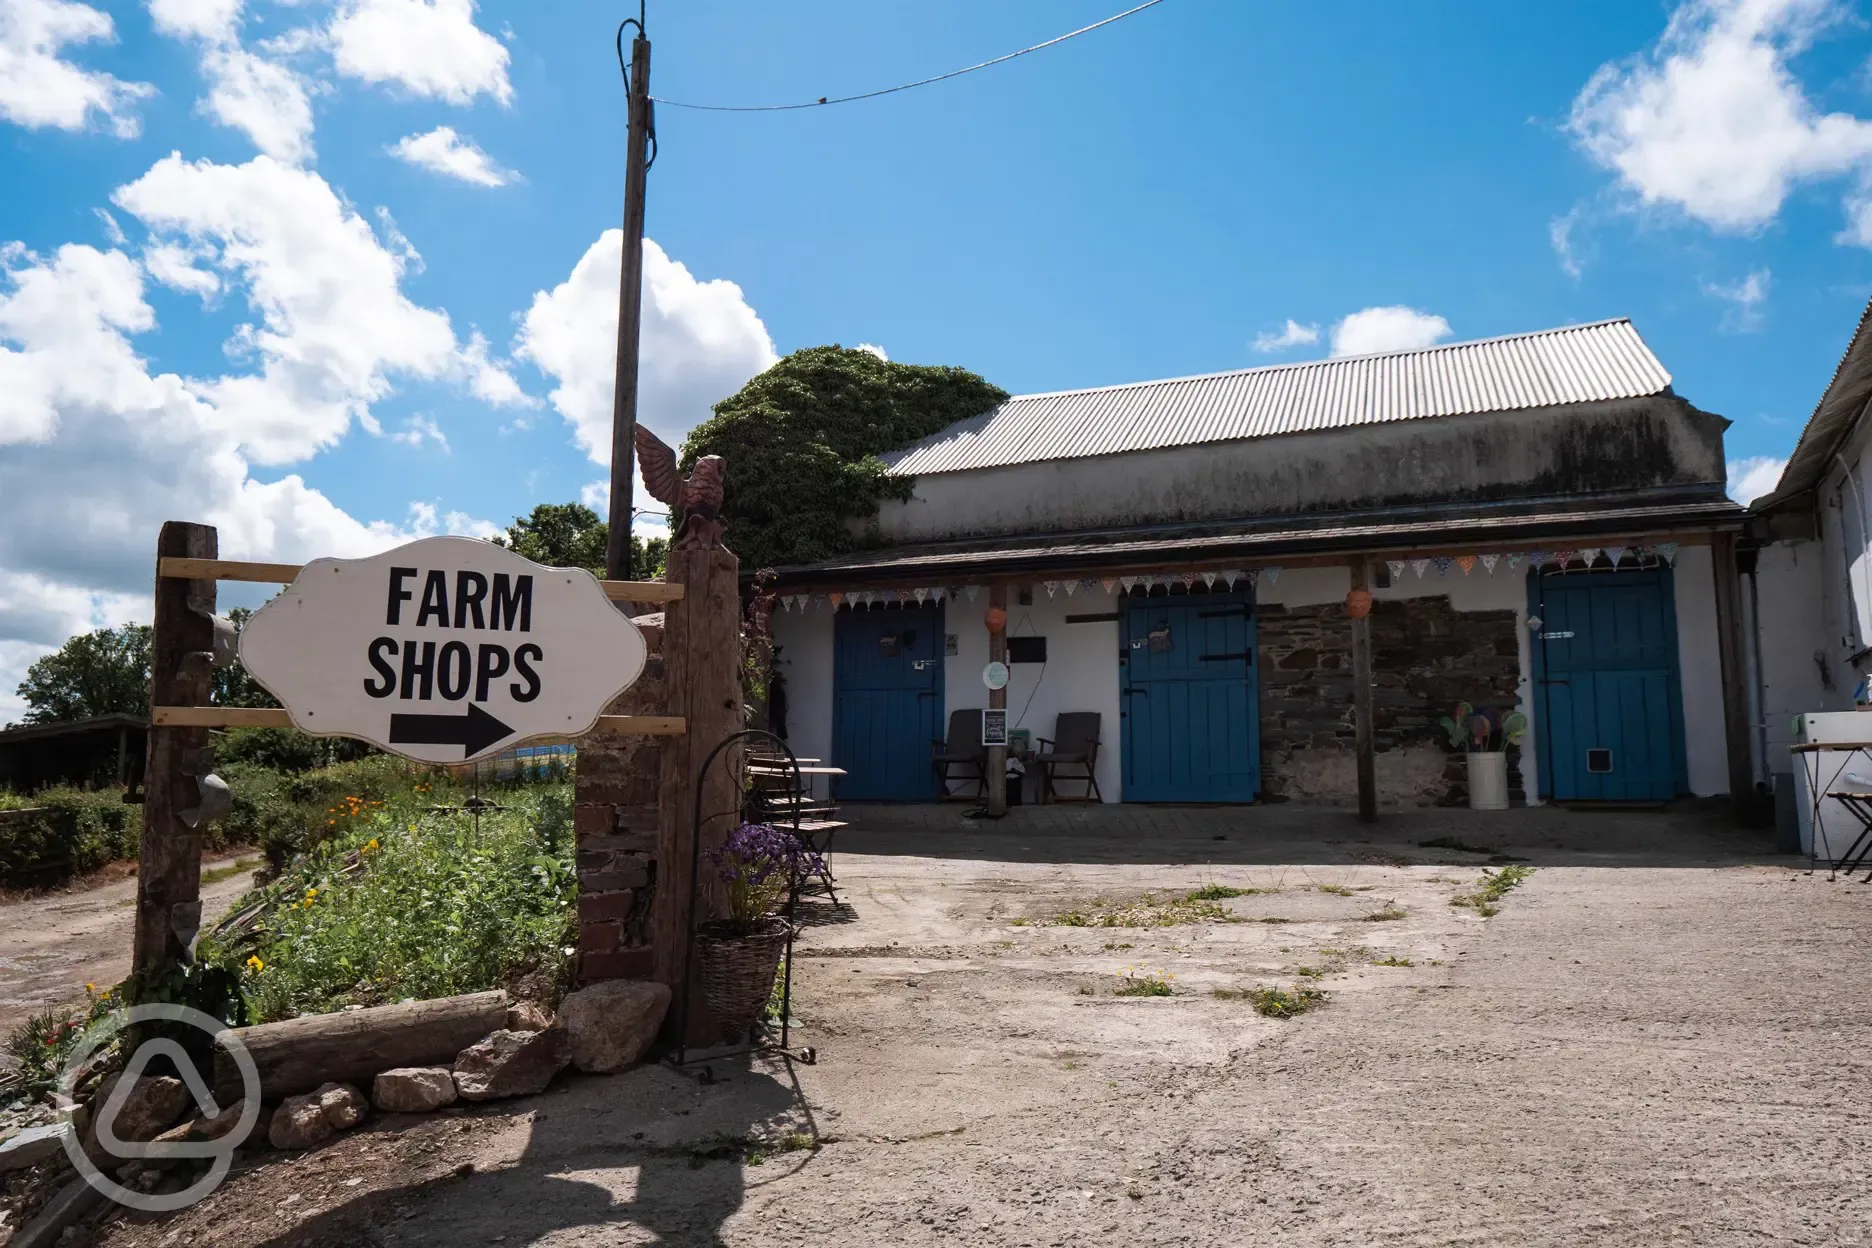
<point>1109,947</point>
<point>1393,960</point>
<point>1271,920</point>
<point>1148,912</point>
<point>1390,914</point>
<point>1337,890</point>
<point>1222,892</point>
<point>1146,984</point>
<point>1494,885</point>
<point>1309,972</point>
<point>1276,1002</point>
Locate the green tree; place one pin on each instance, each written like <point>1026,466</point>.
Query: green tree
<point>100,673</point>
<point>802,442</point>
<point>572,535</point>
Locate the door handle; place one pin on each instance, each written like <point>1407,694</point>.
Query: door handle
<point>1142,693</point>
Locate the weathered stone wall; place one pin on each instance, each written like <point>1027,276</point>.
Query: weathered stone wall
<point>615,819</point>
<point>1426,657</point>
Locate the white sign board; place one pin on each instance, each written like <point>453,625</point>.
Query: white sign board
<point>445,650</point>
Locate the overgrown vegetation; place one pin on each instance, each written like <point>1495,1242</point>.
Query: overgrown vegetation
<point>1276,1002</point>
<point>65,832</point>
<point>1391,913</point>
<point>802,442</point>
<point>402,900</point>
<point>572,535</point>
<point>1393,960</point>
<point>1144,912</point>
<point>1338,890</point>
<point>1222,892</point>
<point>42,1042</point>
<point>1144,984</point>
<point>1493,886</point>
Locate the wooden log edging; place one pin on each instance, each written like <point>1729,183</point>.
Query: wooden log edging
<point>354,1046</point>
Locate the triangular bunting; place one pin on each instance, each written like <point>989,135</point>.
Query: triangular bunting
<point>1070,586</point>
<point>1110,583</point>
<point>1617,554</point>
<point>1209,579</point>
<point>1250,577</point>
<point>1419,566</point>
<point>1052,588</point>
<point>1514,559</point>
<point>972,591</point>
<point>1588,555</point>
<point>922,595</point>
<point>1126,582</point>
<point>1466,563</point>
<point>1669,551</point>
<point>1564,557</point>
<point>1397,567</point>
<point>1489,562</point>
<point>1272,574</point>
<point>1442,563</point>
<point>1539,558</point>
<point>836,598</point>
<point>1230,577</point>
<point>1188,579</point>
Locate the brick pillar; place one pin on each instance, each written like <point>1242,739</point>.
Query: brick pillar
<point>615,821</point>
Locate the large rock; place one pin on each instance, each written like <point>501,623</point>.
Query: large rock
<point>343,1105</point>
<point>152,1106</point>
<point>511,1063</point>
<point>610,1026</point>
<point>413,1089</point>
<point>305,1121</point>
<point>300,1122</point>
<point>32,1146</point>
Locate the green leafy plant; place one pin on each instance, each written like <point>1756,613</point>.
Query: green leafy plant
<point>1494,885</point>
<point>1146,984</point>
<point>1276,1002</point>
<point>1483,731</point>
<point>801,442</point>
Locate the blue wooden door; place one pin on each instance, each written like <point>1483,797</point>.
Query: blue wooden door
<point>888,702</point>
<point>1608,713</point>
<point>1189,708</point>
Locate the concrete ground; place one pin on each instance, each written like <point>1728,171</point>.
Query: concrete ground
<point>1662,1037</point>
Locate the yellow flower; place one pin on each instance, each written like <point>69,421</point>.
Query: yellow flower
<point>255,965</point>
<point>371,846</point>
<point>92,988</point>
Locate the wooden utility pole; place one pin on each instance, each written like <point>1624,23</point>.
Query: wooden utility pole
<point>630,307</point>
<point>168,913</point>
<point>1362,699</point>
<point>995,768</point>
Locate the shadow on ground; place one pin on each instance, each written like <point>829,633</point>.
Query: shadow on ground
<point>1691,833</point>
<point>654,1156</point>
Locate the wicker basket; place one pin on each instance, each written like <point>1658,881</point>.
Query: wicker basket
<point>738,974</point>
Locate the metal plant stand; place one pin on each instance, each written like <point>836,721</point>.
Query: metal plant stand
<point>760,1038</point>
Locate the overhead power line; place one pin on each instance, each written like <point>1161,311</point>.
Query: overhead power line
<point>921,82</point>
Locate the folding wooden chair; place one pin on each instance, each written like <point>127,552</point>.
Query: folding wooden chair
<point>962,750</point>
<point>1075,743</point>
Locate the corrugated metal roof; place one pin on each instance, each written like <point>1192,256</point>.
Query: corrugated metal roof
<point>1577,364</point>
<point>1839,408</point>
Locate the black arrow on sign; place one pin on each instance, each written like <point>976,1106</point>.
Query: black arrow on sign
<point>474,731</point>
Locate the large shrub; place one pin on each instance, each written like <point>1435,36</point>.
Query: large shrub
<point>289,813</point>
<point>802,442</point>
<point>60,833</point>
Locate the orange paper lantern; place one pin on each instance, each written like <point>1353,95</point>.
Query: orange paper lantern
<point>1358,603</point>
<point>996,618</point>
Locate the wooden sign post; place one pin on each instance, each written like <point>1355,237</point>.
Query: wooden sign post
<point>168,913</point>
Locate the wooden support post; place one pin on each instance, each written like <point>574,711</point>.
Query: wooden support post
<point>168,913</point>
<point>995,769</point>
<point>1362,700</point>
<point>1729,655</point>
<point>702,682</point>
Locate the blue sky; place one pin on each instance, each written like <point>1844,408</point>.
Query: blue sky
<point>331,273</point>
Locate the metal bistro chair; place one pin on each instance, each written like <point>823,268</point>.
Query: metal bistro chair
<point>962,750</point>
<point>1074,743</point>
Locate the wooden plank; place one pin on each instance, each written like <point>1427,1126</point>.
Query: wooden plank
<point>1362,702</point>
<point>702,682</point>
<point>287,573</point>
<point>275,717</point>
<point>1729,657</point>
<point>168,906</point>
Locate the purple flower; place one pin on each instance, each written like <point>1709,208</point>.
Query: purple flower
<point>757,863</point>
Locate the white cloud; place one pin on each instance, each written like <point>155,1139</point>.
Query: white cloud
<point>1751,478</point>
<point>39,89</point>
<point>217,20</point>
<point>1293,334</point>
<point>445,152</point>
<point>1371,331</point>
<point>175,267</point>
<point>1560,235</point>
<point>332,324</point>
<point>100,451</point>
<point>265,100</point>
<point>1745,299</point>
<point>427,47</point>
<point>421,429</point>
<point>699,344</point>
<point>874,349</point>
<point>1713,122</point>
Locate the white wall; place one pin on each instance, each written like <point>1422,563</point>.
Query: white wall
<point>1790,619</point>
<point>806,651</point>
<point>1706,749</point>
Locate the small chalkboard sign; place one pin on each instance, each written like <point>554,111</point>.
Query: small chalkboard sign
<point>994,727</point>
